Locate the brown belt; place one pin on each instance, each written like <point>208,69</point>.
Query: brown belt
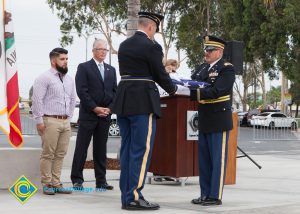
<point>62,117</point>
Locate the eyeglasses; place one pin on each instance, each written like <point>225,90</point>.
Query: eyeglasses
<point>101,49</point>
<point>210,50</point>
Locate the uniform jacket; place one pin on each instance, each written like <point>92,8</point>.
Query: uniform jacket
<point>214,117</point>
<point>92,90</point>
<point>140,56</point>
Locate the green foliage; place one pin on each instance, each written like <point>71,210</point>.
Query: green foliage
<point>85,16</point>
<point>294,90</point>
<point>274,95</point>
<point>189,39</point>
<point>254,103</point>
<point>193,25</point>
<point>269,28</point>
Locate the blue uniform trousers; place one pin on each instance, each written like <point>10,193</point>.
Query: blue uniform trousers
<point>212,157</point>
<point>137,132</point>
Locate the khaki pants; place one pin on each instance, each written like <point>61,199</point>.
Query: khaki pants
<point>55,141</point>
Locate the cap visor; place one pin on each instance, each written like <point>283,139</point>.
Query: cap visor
<point>208,48</point>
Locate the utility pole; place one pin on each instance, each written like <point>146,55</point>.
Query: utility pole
<point>86,36</point>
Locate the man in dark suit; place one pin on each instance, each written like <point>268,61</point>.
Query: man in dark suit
<point>96,85</point>
<point>215,120</point>
<point>137,105</point>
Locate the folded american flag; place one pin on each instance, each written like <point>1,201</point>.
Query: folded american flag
<point>191,84</point>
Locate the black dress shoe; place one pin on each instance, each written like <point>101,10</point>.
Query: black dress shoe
<point>141,204</point>
<point>211,202</point>
<point>105,186</point>
<point>77,186</point>
<point>158,179</point>
<point>169,179</point>
<point>199,200</point>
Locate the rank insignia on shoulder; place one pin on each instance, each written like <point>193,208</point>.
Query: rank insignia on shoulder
<point>227,64</point>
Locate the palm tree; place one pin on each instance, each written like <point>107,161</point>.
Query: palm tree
<point>132,22</point>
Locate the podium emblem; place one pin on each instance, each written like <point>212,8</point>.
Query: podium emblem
<point>192,125</point>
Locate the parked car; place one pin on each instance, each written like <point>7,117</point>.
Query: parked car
<point>242,118</point>
<point>250,114</point>
<point>21,106</point>
<point>74,119</point>
<point>255,112</point>
<point>114,129</point>
<point>274,120</point>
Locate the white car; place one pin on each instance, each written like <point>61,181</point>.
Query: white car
<point>21,106</point>
<point>114,129</point>
<point>74,119</point>
<point>274,120</point>
<point>242,118</point>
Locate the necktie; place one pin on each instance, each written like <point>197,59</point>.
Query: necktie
<point>101,69</point>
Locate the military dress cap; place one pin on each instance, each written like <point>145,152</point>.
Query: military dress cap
<point>153,16</point>
<point>212,42</point>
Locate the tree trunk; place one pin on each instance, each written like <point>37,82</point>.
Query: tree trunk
<point>247,80</point>
<point>244,101</point>
<point>263,88</point>
<point>132,22</point>
<point>284,90</point>
<point>208,16</point>
<point>254,92</point>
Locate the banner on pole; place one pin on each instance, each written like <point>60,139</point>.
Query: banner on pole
<point>10,122</point>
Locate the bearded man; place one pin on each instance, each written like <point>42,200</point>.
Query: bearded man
<point>53,103</point>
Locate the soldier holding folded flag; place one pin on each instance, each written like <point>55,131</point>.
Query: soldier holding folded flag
<point>215,120</point>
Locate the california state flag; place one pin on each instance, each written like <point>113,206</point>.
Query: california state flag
<point>9,90</point>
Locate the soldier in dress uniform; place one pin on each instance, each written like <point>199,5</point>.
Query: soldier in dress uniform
<point>215,120</point>
<point>137,105</point>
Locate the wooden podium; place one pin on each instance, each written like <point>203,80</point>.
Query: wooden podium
<point>173,155</point>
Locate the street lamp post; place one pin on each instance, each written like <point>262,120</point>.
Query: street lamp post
<point>86,44</point>
<point>86,37</point>
<point>109,54</point>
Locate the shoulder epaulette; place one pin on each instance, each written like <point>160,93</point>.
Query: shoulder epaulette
<point>227,64</point>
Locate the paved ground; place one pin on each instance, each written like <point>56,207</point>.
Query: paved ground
<point>273,189</point>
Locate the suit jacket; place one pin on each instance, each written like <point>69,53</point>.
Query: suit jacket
<point>140,56</point>
<point>92,90</point>
<point>214,117</point>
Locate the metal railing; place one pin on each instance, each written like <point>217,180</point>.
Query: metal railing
<point>275,129</point>
<point>27,124</point>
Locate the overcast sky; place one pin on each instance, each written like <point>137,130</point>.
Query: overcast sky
<point>37,33</point>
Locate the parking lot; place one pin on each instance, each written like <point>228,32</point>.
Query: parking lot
<point>254,141</point>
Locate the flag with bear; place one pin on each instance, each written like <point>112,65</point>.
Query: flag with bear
<point>10,122</point>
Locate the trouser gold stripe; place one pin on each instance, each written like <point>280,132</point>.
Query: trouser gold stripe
<point>222,165</point>
<point>145,158</point>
